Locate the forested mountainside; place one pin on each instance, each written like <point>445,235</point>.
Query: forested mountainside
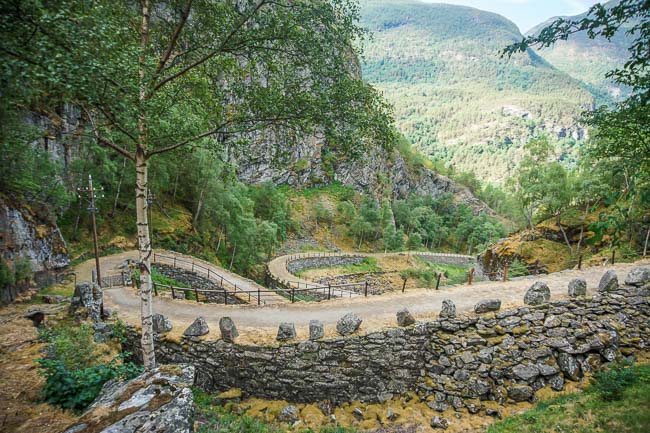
<point>455,98</point>
<point>588,59</point>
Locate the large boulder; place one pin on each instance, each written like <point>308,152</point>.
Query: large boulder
<point>316,330</point>
<point>577,287</point>
<point>487,305</point>
<point>348,324</point>
<point>608,282</point>
<point>286,331</point>
<point>404,318</point>
<point>161,324</point>
<point>448,309</point>
<point>638,276</point>
<point>87,301</point>
<point>537,294</point>
<point>157,401</point>
<point>228,329</point>
<point>198,328</point>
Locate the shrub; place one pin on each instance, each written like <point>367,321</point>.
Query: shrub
<point>23,269</point>
<point>73,375</point>
<point>517,269</point>
<point>611,383</point>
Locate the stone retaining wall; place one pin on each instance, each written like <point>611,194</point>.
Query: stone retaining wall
<point>502,356</point>
<point>195,280</point>
<point>302,263</point>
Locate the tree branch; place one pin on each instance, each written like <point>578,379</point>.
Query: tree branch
<point>172,41</point>
<point>105,141</point>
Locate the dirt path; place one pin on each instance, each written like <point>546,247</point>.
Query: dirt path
<point>258,324</point>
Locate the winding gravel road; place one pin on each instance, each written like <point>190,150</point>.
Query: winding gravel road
<point>260,323</point>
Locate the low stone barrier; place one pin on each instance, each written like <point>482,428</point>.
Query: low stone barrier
<point>451,362</point>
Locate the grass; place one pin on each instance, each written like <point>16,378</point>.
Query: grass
<point>426,273</point>
<point>220,419</point>
<point>369,264</point>
<point>599,409</point>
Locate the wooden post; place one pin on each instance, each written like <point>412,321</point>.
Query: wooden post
<point>208,273</point>
<point>173,294</point>
<point>196,294</point>
<point>404,284</point>
<point>258,295</point>
<point>329,290</point>
<point>438,280</point>
<point>174,261</point>
<point>225,296</point>
<point>155,289</point>
<point>505,272</point>
<point>580,262</point>
<point>292,294</point>
<point>471,276</point>
<point>192,265</point>
<point>613,257</point>
<point>365,290</point>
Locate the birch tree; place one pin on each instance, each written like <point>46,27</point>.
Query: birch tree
<point>152,77</point>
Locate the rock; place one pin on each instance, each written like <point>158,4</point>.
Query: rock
<point>608,282</point>
<point>556,382</point>
<point>103,332</point>
<point>404,318</point>
<point>198,328</point>
<point>289,414</point>
<point>438,422</point>
<point>357,413</point>
<point>286,331</point>
<point>159,401</point>
<point>568,365</point>
<point>537,294</point>
<point>638,276</point>
<point>493,413</point>
<point>55,299</point>
<point>487,305</point>
<point>87,301</point>
<point>348,324</point>
<point>391,416</point>
<point>577,287</point>
<point>526,372</point>
<point>316,330</point>
<point>228,329</point>
<point>161,324</point>
<point>520,392</point>
<point>36,316</point>
<point>448,309</point>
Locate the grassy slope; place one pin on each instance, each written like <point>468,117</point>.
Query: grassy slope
<point>440,66</point>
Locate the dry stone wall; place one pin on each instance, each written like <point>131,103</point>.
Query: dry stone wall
<point>453,362</point>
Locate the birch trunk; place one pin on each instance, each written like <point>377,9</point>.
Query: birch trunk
<point>141,166</point>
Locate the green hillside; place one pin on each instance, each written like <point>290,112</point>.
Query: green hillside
<point>589,60</point>
<point>455,98</point>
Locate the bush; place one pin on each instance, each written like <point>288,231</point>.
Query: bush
<point>611,383</point>
<point>517,269</point>
<point>74,377</point>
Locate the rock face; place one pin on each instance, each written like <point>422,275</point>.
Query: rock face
<point>609,282</point>
<point>404,318</point>
<point>289,414</point>
<point>537,294</point>
<point>638,276</point>
<point>316,330</point>
<point>228,329</point>
<point>487,305</point>
<point>157,401</point>
<point>198,328</point>
<point>161,324</point>
<point>286,331</point>
<point>577,287</point>
<point>448,309</point>
<point>87,301</point>
<point>348,324</point>
<point>29,234</point>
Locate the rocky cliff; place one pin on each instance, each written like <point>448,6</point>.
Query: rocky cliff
<point>29,233</point>
<point>311,162</point>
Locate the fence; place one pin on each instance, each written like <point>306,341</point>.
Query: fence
<point>121,279</point>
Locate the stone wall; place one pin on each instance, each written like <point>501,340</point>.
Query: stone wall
<point>195,280</point>
<point>502,356</point>
<point>302,263</point>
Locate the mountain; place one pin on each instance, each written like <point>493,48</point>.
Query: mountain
<point>456,98</point>
<point>588,59</point>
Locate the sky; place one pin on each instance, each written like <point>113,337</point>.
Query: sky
<point>526,13</point>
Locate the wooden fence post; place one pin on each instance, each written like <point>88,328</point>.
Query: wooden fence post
<point>292,294</point>
<point>471,276</point>
<point>580,262</point>
<point>196,294</point>
<point>404,284</point>
<point>173,294</point>
<point>365,290</point>
<point>613,257</point>
<point>225,296</point>
<point>438,280</point>
<point>329,290</point>
<point>505,272</point>
<point>258,295</point>
<point>155,289</point>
